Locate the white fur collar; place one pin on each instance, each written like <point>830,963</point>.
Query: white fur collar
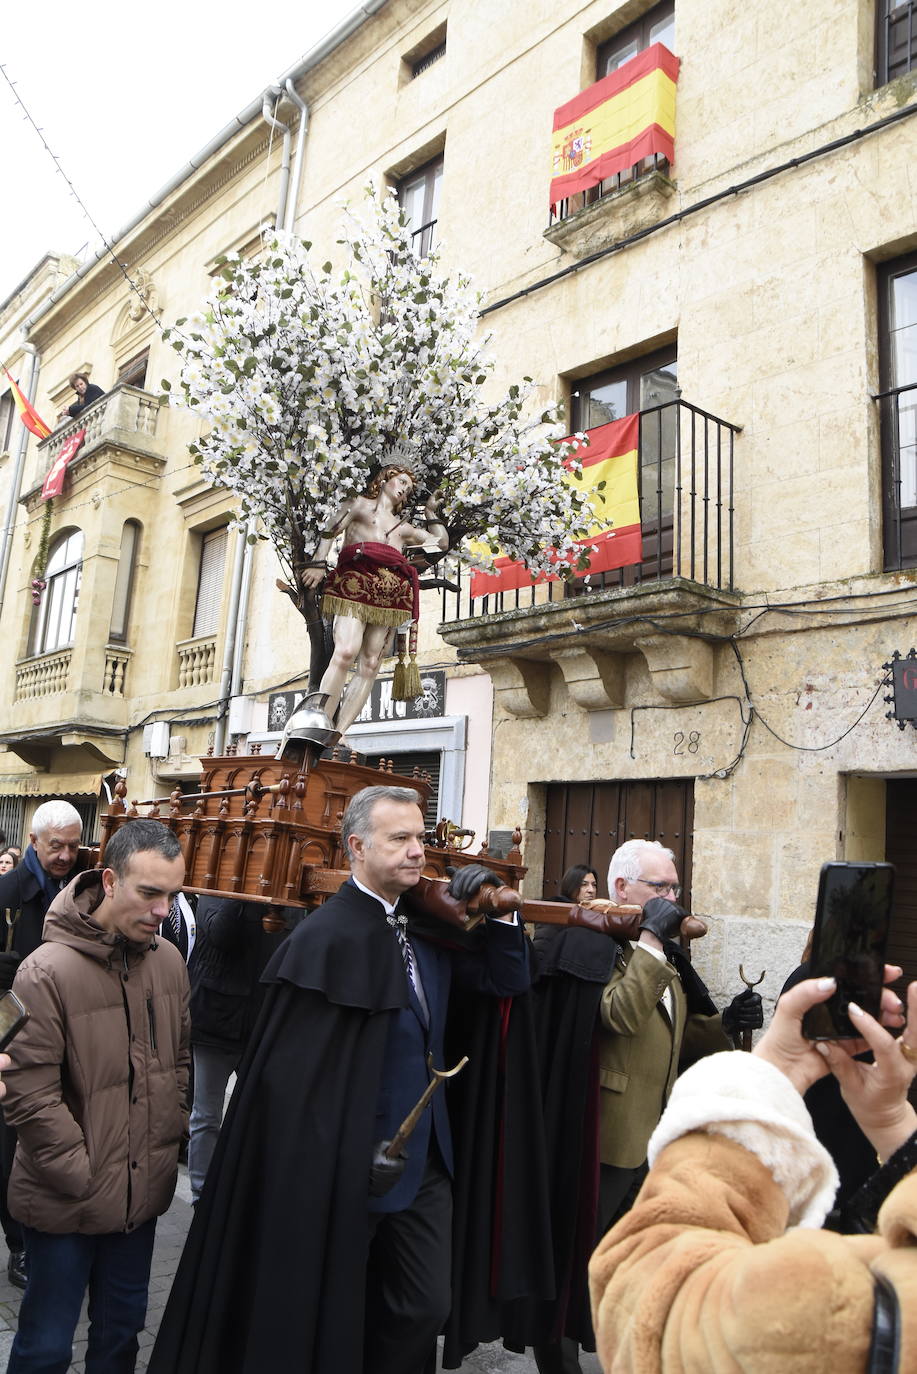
<point>754,1104</point>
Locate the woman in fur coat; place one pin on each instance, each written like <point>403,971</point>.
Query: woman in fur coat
<point>721,1267</point>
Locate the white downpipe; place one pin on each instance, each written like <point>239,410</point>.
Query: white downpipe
<point>293,198</point>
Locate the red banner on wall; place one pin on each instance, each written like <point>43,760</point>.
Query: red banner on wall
<point>54,482</point>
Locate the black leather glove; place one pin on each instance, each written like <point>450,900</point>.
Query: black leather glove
<point>8,966</point>
<point>466,883</point>
<point>745,1012</point>
<point>384,1173</point>
<point>662,918</point>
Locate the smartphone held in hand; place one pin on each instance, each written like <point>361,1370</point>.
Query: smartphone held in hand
<point>13,1017</point>
<point>852,921</point>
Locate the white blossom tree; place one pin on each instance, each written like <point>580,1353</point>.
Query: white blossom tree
<point>308,377</point>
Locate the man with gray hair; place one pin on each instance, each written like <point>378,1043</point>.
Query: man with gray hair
<point>657,1017</point>
<point>26,892</point>
<point>315,1249</point>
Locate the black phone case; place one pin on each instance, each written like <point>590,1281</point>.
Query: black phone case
<point>857,960</point>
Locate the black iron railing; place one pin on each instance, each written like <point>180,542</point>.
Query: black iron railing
<point>685,466</point>
<point>898,411</point>
<point>422,239</point>
<point>572,204</point>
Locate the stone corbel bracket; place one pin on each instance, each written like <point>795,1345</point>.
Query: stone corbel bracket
<point>595,679</point>
<point>521,685</point>
<point>681,667</point>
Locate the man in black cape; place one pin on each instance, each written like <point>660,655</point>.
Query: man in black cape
<point>291,1264</point>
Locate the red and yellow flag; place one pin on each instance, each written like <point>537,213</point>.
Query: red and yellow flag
<point>628,115</point>
<point>611,458</point>
<point>27,412</point>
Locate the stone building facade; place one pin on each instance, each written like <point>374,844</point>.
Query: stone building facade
<point>752,299</point>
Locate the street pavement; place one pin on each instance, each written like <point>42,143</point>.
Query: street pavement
<point>170,1237</point>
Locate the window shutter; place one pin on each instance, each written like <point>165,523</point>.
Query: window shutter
<point>403,766</point>
<point>210,583</point>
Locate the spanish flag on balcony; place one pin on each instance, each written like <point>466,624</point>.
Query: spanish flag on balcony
<point>628,115</point>
<point>611,458</point>
<point>27,412</point>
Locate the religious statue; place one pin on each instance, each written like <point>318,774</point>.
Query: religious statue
<point>372,590</point>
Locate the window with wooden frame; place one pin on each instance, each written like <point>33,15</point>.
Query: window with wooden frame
<point>54,618</point>
<point>896,39</point>
<point>133,372</point>
<point>209,600</point>
<point>656,26</point>
<point>647,384</point>
<point>418,196</point>
<point>897,291</point>
<point>124,582</point>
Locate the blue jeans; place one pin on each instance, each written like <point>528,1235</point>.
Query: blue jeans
<point>212,1071</point>
<point>116,1269</point>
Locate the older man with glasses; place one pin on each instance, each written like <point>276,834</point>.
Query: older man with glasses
<point>657,1018</point>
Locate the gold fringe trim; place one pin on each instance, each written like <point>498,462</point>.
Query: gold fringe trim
<point>370,615</point>
<point>406,684</point>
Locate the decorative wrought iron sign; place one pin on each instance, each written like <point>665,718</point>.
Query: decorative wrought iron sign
<point>903,682</point>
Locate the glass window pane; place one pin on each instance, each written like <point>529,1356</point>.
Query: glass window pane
<point>619,55</point>
<point>436,186</point>
<point>907,448</point>
<point>412,197</point>
<point>904,329</point>
<point>904,300</point>
<point>908,460</point>
<point>659,385</point>
<point>603,404</point>
<point>663,31</point>
<point>55,617</point>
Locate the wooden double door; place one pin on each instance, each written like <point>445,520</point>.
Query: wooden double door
<point>586,822</point>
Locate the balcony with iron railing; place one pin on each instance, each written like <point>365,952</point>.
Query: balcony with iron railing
<point>617,207</point>
<point>686,467</point>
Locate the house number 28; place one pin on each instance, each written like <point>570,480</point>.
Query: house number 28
<point>686,744</point>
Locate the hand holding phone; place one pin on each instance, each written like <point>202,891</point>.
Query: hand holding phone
<point>852,921</point>
<point>13,1017</point>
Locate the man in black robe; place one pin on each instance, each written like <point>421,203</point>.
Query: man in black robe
<point>309,1251</point>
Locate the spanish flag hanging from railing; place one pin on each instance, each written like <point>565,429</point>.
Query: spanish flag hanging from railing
<point>27,412</point>
<point>628,115</point>
<point>609,475</point>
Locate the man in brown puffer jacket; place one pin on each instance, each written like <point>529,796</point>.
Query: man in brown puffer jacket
<point>97,1095</point>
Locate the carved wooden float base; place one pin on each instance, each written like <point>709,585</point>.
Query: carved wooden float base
<point>258,829</point>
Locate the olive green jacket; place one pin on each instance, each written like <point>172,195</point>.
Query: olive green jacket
<point>640,1051</point>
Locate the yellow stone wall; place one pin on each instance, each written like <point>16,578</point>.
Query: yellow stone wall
<point>770,293</point>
